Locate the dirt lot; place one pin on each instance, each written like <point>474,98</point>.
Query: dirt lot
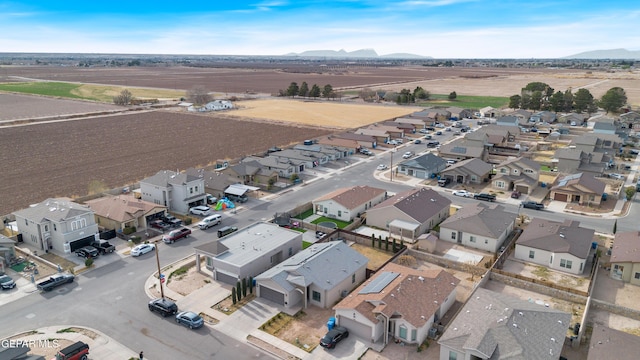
<point>62,159</point>
<point>15,107</point>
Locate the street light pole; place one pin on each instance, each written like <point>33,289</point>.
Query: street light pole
<point>159,272</point>
<point>391,167</point>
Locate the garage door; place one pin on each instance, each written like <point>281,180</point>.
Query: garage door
<point>560,197</point>
<point>272,295</point>
<point>227,279</point>
<point>75,245</point>
<point>522,188</point>
<point>355,328</point>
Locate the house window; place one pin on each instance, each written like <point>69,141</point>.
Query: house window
<point>453,355</point>
<point>486,241</point>
<point>290,251</point>
<point>528,171</point>
<point>500,184</point>
<point>636,276</point>
<point>472,239</point>
<point>532,254</point>
<point>196,189</point>
<point>515,171</point>
<point>565,263</point>
<point>503,170</point>
<point>403,332</point>
<point>46,228</point>
<point>315,296</point>
<point>339,212</point>
<point>453,235</point>
<point>26,222</point>
<point>54,227</point>
<point>414,334</point>
<point>353,278</point>
<point>190,190</point>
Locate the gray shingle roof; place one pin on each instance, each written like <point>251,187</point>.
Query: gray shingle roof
<point>420,204</point>
<point>626,247</point>
<point>473,166</point>
<point>502,327</point>
<point>164,178</point>
<point>56,210</point>
<point>587,181</point>
<point>482,219</point>
<point>557,237</point>
<point>607,343</point>
<point>354,196</point>
<point>427,162</point>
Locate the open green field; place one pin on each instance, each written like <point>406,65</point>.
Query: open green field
<point>100,93</point>
<point>465,101</point>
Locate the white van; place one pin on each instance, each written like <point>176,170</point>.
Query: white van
<point>210,221</point>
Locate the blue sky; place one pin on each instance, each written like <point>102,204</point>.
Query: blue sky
<point>437,28</point>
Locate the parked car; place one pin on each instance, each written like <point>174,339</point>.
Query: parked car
<point>382,167</point>
<point>75,351</point>
<point>532,205</point>
<point>210,221</point>
<point>334,336</point>
<point>160,225</point>
<point>444,181</point>
<point>87,252</point>
<point>142,249</point>
<point>485,197</point>
<point>54,281</point>
<point>423,131</point>
<point>515,195</point>
<point>616,176</point>
<point>463,193</point>
<point>174,235</point>
<point>428,137</point>
<point>438,132</point>
<point>211,199</point>
<point>6,282</point>
<point>320,234</point>
<point>202,210</point>
<point>190,319</point>
<point>104,247</point>
<point>417,141</point>
<point>433,144</point>
<point>222,232</point>
<point>163,306</point>
<point>392,142</point>
<point>407,155</point>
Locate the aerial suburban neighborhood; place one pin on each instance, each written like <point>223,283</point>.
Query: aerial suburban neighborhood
<point>426,232</point>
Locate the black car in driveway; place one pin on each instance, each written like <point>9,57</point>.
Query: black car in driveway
<point>87,252</point>
<point>333,337</point>
<point>532,205</point>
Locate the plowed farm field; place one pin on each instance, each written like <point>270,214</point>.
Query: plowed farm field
<point>65,158</point>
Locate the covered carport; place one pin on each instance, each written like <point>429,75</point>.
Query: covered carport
<point>405,230</point>
<point>240,189</point>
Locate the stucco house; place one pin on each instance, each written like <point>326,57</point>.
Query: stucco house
<point>125,210</point>
<point>409,214</point>
<point>348,203</point>
<point>284,167</point>
<point>57,224</point>
<point>217,180</point>
<point>319,275</point>
<point>496,326</point>
<point>248,252</point>
<point>7,251</point>
<point>177,191</point>
<point>517,173</point>
<point>469,171</point>
<point>462,149</point>
<point>509,120</point>
<point>397,302</point>
<point>362,140</point>
<point>581,188</point>
<point>562,246</point>
<point>480,226</point>
<point>625,257</point>
<point>571,160</point>
<point>424,166</point>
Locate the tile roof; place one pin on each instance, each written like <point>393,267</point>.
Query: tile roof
<point>499,326</point>
<point>413,294</point>
<point>557,237</point>
<point>323,264</point>
<point>626,247</point>
<point>481,219</point>
<point>607,343</point>
<point>420,204</point>
<point>352,197</point>
<point>121,208</point>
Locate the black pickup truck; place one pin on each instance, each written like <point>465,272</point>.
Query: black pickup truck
<point>485,197</point>
<point>54,281</point>
<point>104,247</point>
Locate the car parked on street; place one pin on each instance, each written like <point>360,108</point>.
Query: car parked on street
<point>408,154</point>
<point>177,234</point>
<point>333,337</point>
<point>210,221</point>
<point>163,306</point>
<point>485,197</point>
<point>616,176</point>
<point>142,249</point>
<point>532,205</point>
<point>190,319</point>
<point>6,282</point>
<point>87,252</point>
<point>202,210</point>
<point>382,167</point>
<point>417,141</point>
<point>463,193</point>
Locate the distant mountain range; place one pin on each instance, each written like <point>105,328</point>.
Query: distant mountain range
<point>618,54</point>
<point>360,54</point>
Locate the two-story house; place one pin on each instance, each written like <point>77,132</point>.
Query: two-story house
<point>57,224</point>
<point>177,191</point>
<point>519,174</point>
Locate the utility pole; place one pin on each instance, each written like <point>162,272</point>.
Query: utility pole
<point>391,167</point>
<point>159,272</point>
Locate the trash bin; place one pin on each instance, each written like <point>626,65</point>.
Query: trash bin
<point>331,323</point>
<point>594,245</point>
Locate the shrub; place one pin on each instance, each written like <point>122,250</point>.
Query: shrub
<point>88,262</point>
<point>136,239</point>
<point>188,220</point>
<point>128,230</point>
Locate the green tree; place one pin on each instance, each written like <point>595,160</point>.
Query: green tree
<point>367,94</point>
<point>315,91</point>
<point>124,98</point>
<point>453,95</point>
<point>250,284</point>
<point>557,101</point>
<point>405,97</point>
<point>536,100</point>
<point>538,86</point>
<point>525,101</point>
<point>629,191</point>
<point>615,226</point>
<point>244,287</point>
<point>327,91</point>
<point>613,100</point>
<point>234,298</point>
<point>304,89</point>
<point>567,105</point>
<point>293,89</point>
<point>582,100</point>
<point>239,291</point>
<point>515,101</point>
<point>420,93</point>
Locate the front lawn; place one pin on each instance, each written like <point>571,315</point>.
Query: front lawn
<point>465,101</point>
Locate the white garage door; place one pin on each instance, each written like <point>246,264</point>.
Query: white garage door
<point>355,328</point>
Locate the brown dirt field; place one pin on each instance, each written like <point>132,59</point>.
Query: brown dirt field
<point>61,159</point>
<point>329,113</point>
<point>376,256</point>
<point>16,106</point>
<point>186,283</point>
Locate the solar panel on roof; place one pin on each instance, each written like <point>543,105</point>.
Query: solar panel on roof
<point>380,282</point>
